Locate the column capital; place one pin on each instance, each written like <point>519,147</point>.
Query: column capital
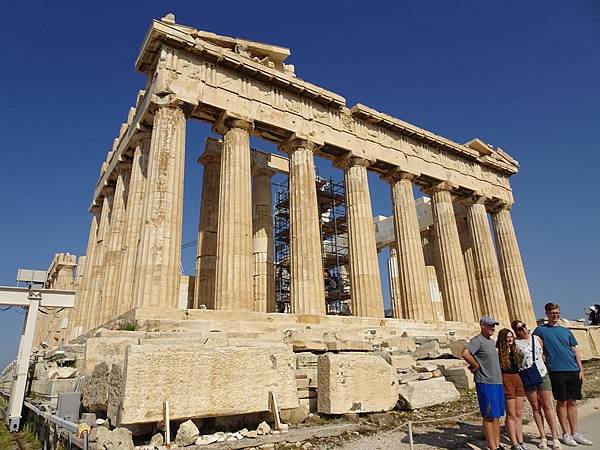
<point>228,121</point>
<point>345,162</point>
<point>441,186</point>
<point>295,142</point>
<point>170,100</point>
<point>475,199</point>
<point>398,174</point>
<point>499,205</point>
<point>262,171</point>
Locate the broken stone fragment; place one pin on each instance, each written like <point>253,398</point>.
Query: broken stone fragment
<point>157,440</point>
<point>207,439</point>
<point>263,428</point>
<point>117,439</point>
<point>420,394</point>
<point>187,433</point>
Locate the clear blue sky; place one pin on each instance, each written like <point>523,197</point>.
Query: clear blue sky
<point>520,75</point>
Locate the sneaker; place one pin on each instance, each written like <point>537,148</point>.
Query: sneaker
<point>568,440</point>
<point>578,437</point>
<point>523,446</point>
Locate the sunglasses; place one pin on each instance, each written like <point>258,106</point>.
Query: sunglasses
<point>522,327</point>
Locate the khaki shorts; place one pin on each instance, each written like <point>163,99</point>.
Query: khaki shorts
<point>513,386</point>
<point>545,386</point>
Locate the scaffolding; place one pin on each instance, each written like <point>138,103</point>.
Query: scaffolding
<point>334,245</point>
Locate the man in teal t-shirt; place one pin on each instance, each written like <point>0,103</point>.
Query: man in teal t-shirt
<point>566,373</point>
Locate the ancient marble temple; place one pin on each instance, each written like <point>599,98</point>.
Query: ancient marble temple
<point>245,88</point>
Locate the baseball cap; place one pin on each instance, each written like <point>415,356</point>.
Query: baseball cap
<point>487,320</point>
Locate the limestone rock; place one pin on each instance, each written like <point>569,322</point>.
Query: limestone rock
<point>294,415</point>
<point>420,394</point>
<point>94,389</point>
<point>425,367</point>
<point>157,440</point>
<point>263,428</point>
<point>431,350</point>
<point>401,362</point>
<point>411,375</point>
<point>207,439</point>
<point>355,382</point>
<point>448,363</point>
<point>117,439</point>
<point>401,343</point>
<point>187,434</point>
<point>461,377</point>
<point>227,381</point>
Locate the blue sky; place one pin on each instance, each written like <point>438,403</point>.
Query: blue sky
<point>520,75</point>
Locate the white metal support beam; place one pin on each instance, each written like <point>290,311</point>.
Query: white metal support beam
<point>31,299</point>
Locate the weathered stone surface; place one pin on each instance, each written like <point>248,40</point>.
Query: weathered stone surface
<point>108,350</point>
<point>431,350</point>
<point>425,367</point>
<point>420,394</point>
<point>207,439</point>
<point>263,428</point>
<point>355,383</point>
<point>401,362</point>
<point>94,389</point>
<point>447,363</point>
<point>461,377</point>
<point>117,439</point>
<point>405,344</point>
<point>187,434</point>
<point>226,381</point>
<point>294,415</point>
<point>157,440</point>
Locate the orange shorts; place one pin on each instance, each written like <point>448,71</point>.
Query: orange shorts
<point>513,386</point>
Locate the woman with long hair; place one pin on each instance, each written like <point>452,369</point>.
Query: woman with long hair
<point>539,396</point>
<point>514,393</point>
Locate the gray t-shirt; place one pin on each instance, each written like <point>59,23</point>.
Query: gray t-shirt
<point>484,351</point>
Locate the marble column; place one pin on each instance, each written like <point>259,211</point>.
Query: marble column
<point>82,294</point>
<point>206,259</point>
<point>233,285</point>
<point>157,279</point>
<point>307,283</point>
<point>114,247</point>
<point>453,277</point>
<point>91,316</point>
<point>512,270</point>
<point>394,283</point>
<point>466,243</point>
<point>133,223</point>
<point>414,301</point>
<point>493,302</point>
<point>77,286</point>
<point>365,282</point>
<point>262,240</point>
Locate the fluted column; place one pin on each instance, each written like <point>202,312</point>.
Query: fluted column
<point>493,302</point>
<point>453,277</point>
<point>512,270</point>
<point>114,248</point>
<point>394,282</point>
<point>206,259</point>
<point>414,301</point>
<point>365,282</point>
<point>307,285</point>
<point>157,279</point>
<point>262,240</point>
<point>133,223</point>
<point>233,286</point>
<point>82,296</point>
<point>91,314</point>
<point>77,286</point>
<point>466,243</point>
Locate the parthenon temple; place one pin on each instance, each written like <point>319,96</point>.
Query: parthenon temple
<point>456,260</point>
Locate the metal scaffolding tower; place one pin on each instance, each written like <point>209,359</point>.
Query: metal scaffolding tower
<point>334,245</point>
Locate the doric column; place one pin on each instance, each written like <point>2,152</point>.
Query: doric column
<point>206,256</point>
<point>512,270</point>
<point>365,282</point>
<point>493,302</point>
<point>82,296</point>
<point>262,240</point>
<point>414,301</point>
<point>394,283</point>
<point>114,247</point>
<point>157,271</point>
<point>91,314</point>
<point>307,284</point>
<point>466,243</point>
<point>453,277</point>
<point>134,213</point>
<point>77,286</point>
<point>233,286</point>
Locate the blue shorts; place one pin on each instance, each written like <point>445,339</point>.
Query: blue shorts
<point>491,400</point>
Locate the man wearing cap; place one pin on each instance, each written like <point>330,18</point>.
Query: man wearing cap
<point>482,356</point>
